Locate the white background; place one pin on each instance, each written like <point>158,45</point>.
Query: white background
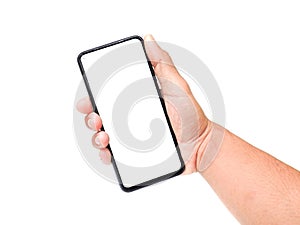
<point>252,49</point>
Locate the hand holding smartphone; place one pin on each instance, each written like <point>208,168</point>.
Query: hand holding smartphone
<point>125,92</point>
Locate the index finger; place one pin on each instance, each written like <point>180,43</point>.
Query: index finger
<point>84,105</point>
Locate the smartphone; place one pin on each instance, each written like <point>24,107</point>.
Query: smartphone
<point>125,92</point>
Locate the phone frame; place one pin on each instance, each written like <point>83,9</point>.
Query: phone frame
<point>86,82</point>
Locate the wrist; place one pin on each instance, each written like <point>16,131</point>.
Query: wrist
<point>209,145</point>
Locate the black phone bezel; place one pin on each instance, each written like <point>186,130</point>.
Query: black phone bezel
<point>154,180</point>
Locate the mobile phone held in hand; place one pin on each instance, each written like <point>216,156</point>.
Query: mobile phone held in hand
<point>125,92</point>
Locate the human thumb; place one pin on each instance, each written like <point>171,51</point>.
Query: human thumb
<point>164,67</point>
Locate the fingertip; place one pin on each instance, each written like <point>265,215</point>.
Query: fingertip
<point>105,156</point>
<point>153,50</point>
<point>93,121</point>
<point>156,54</point>
<point>84,105</point>
<point>149,37</point>
<point>100,140</point>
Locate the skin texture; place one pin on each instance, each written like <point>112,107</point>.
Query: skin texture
<point>256,187</point>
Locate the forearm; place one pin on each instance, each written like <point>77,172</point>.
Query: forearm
<point>256,187</point>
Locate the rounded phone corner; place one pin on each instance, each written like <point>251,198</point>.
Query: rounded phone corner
<point>138,37</point>
<point>125,189</point>
<point>129,189</point>
<point>79,57</point>
<point>181,170</point>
